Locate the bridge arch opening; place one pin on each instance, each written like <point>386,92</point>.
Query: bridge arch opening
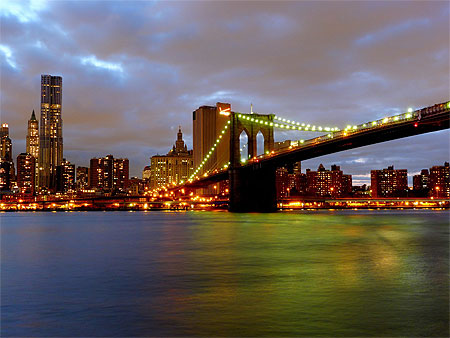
<point>243,145</point>
<point>259,143</point>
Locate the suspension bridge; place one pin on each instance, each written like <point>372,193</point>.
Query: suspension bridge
<point>252,180</point>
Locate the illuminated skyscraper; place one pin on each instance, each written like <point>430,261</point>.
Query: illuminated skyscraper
<point>208,122</point>
<point>50,135</point>
<point>7,170</point>
<point>26,173</point>
<point>33,136</point>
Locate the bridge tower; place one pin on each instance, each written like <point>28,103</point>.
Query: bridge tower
<point>252,188</point>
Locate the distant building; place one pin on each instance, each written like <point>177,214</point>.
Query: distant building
<point>7,171</point>
<point>328,183</point>
<point>33,137</point>
<point>146,173</point>
<point>108,174</point>
<point>174,167</point>
<point>420,183</point>
<point>65,177</point>
<point>26,173</point>
<point>389,182</point>
<point>208,122</point>
<point>50,135</point>
<point>82,178</point>
<point>439,181</point>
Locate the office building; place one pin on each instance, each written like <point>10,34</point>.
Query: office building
<point>50,133</point>
<point>108,174</point>
<point>174,167</point>
<point>26,173</point>
<point>389,182</point>
<point>208,122</point>
<point>65,177</point>
<point>33,137</point>
<point>439,181</point>
<point>82,178</point>
<point>7,170</point>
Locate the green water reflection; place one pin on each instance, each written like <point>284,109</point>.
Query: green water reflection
<point>308,274</point>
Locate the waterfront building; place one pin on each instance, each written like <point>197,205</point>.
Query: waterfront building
<point>65,177</point>
<point>439,181</point>
<point>108,174</point>
<point>174,167</point>
<point>146,173</point>
<point>328,183</point>
<point>7,170</point>
<point>50,134</point>
<point>389,182</point>
<point>5,143</point>
<point>82,178</point>
<point>26,173</point>
<point>208,122</point>
<point>420,183</point>
<point>121,172</point>
<point>33,137</point>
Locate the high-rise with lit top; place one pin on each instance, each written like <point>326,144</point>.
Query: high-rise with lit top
<point>50,135</point>
<point>33,136</point>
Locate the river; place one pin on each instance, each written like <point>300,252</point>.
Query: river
<point>307,273</point>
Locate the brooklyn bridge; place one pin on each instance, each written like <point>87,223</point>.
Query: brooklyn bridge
<point>252,177</point>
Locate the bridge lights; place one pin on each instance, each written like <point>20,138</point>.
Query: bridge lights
<point>385,120</point>
<point>396,118</point>
<point>410,110</point>
<point>408,116</point>
<point>416,124</point>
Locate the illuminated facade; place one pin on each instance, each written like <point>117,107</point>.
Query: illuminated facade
<point>174,167</point>
<point>108,174</point>
<point>332,183</point>
<point>439,181</point>
<point>82,178</point>
<point>26,173</point>
<point>420,183</point>
<point>50,135</point>
<point>389,182</point>
<point>7,170</point>
<point>65,177</point>
<point>208,122</point>
<point>33,137</point>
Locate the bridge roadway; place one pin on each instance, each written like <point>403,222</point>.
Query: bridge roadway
<point>247,180</point>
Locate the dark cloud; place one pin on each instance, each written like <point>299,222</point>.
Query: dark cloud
<point>134,71</point>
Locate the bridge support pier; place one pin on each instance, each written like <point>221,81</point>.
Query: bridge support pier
<point>252,189</point>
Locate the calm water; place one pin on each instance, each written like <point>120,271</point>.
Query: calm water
<point>346,273</point>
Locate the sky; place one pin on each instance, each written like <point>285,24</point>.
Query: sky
<point>134,71</point>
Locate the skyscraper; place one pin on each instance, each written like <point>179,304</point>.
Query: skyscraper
<point>7,170</point>
<point>208,122</point>
<point>33,136</point>
<point>50,135</point>
<point>26,168</point>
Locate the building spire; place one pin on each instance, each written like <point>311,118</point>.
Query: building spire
<point>33,116</point>
<point>251,108</point>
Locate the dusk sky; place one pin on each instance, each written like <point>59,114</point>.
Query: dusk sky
<point>134,71</point>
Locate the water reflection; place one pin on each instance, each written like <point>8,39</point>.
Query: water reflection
<point>205,273</point>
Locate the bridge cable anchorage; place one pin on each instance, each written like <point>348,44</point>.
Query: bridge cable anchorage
<point>209,154</point>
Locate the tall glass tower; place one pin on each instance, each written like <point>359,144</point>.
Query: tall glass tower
<point>50,135</point>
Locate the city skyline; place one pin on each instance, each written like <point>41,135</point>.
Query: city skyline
<point>132,100</point>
